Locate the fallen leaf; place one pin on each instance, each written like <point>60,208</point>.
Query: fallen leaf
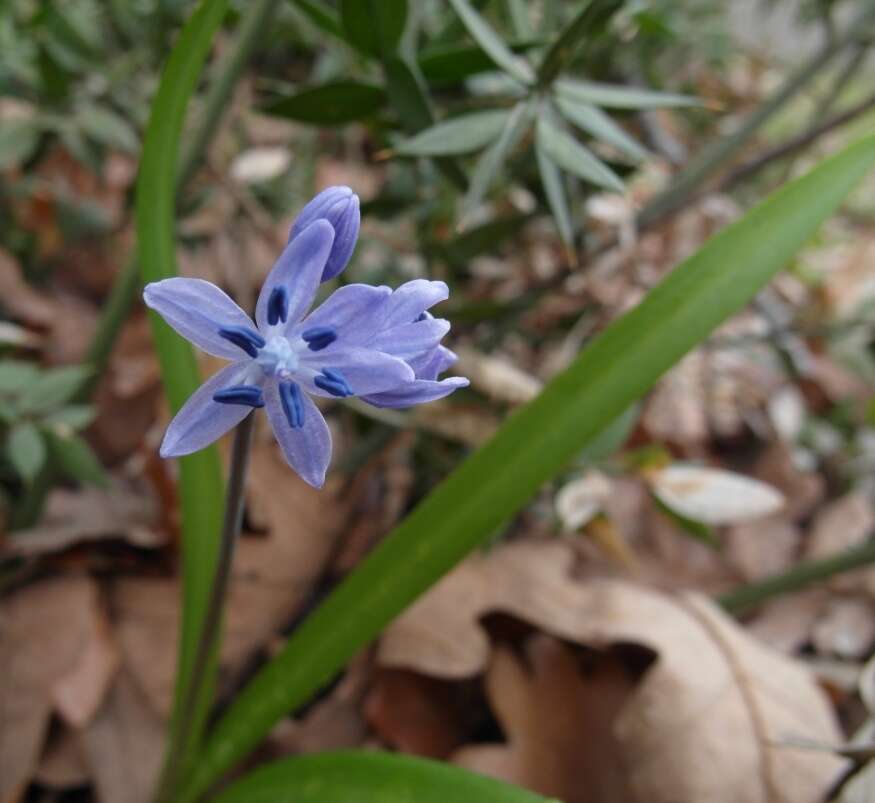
<point>754,696</point>
<point>45,628</point>
<point>582,499</point>
<point>260,164</point>
<point>21,301</point>
<point>497,377</point>
<point>762,548</point>
<point>713,496</point>
<point>63,763</point>
<point>846,628</point>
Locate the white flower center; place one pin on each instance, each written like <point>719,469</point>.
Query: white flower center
<point>277,357</point>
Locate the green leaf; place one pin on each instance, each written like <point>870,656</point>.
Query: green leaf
<point>370,777</point>
<point>54,387</point>
<point>373,26</point>
<point>619,97</point>
<point>26,450</point>
<point>16,375</point>
<point>532,446</point>
<point>462,134</point>
<point>492,43</point>
<point>73,417</point>
<point>492,160</point>
<point>592,16</point>
<point>320,17</point>
<point>76,459</point>
<point>554,188</point>
<point>18,142</point>
<point>697,530</point>
<point>570,155</point>
<point>331,104</point>
<point>593,121</point>
<point>201,486</point>
<point>452,64</point>
<point>109,128</point>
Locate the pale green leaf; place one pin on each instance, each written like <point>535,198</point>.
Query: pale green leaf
<point>570,155</point>
<point>593,121</point>
<point>54,387</point>
<point>619,97</point>
<point>26,450</point>
<point>463,134</point>
<point>557,197</point>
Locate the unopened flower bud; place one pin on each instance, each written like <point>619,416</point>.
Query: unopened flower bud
<point>340,207</point>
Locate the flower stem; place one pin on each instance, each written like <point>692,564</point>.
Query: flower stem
<point>190,721</point>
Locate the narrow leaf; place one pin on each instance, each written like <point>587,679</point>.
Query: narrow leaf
<point>451,64</point>
<point>320,17</point>
<point>493,158</point>
<point>16,375</point>
<point>54,386</point>
<point>18,142</point>
<point>200,478</point>
<point>570,155</point>
<point>593,121</point>
<point>74,417</point>
<point>109,128</point>
<point>26,450</point>
<point>76,459</point>
<point>557,198</point>
<point>492,43</point>
<point>373,26</point>
<point>463,134</point>
<point>619,97</point>
<point>331,104</point>
<point>532,446</point>
<point>370,777</point>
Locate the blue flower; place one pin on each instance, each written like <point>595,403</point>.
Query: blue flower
<point>365,341</point>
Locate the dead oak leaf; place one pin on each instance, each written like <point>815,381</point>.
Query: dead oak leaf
<point>708,720</point>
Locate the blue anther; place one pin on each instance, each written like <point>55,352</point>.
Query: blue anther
<point>332,381</point>
<point>423,316</point>
<point>293,404</point>
<point>278,305</point>
<point>244,338</point>
<point>318,337</point>
<point>250,395</point>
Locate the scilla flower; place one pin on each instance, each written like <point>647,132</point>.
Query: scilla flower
<point>362,341</point>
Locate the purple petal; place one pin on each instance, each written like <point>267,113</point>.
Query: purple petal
<point>298,270</point>
<point>201,420</point>
<point>351,310</point>
<point>197,309</point>
<point>432,364</point>
<point>365,370</point>
<point>307,449</point>
<point>413,298</point>
<point>411,339</point>
<point>418,392</point>
<point>340,207</point>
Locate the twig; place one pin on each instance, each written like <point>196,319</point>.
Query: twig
<point>209,640</point>
<point>804,574</point>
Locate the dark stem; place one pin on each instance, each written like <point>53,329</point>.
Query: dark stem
<point>209,639</point>
<point>804,574</point>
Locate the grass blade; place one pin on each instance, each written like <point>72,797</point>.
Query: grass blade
<point>200,474</point>
<point>350,776</point>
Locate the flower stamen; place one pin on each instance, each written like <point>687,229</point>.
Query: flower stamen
<point>250,395</point>
<point>243,338</point>
<point>319,337</point>
<point>278,305</point>
<point>293,404</point>
<point>334,382</point>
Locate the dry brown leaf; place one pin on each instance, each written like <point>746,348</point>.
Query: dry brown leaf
<point>762,548</point>
<point>21,301</point>
<point>671,750</point>
<point>271,578</point>
<point>497,377</point>
<point>45,629</point>
<point>124,745</point>
<point>786,623</point>
<point>63,763</point>
<point>846,629</point>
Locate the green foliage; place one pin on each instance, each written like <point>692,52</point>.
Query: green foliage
<point>331,104</point>
<point>532,446</point>
<point>370,777</point>
<point>373,26</point>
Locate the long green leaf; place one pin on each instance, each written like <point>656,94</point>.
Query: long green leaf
<point>532,446</point>
<point>330,104</point>
<point>373,26</point>
<point>370,777</point>
<point>554,187</point>
<point>492,43</point>
<point>200,474</point>
<point>570,155</point>
<point>462,134</point>
<point>619,97</point>
<point>593,121</point>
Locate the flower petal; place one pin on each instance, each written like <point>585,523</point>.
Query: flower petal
<point>432,364</point>
<point>418,392</point>
<point>201,420</point>
<point>365,370</point>
<point>299,271</point>
<point>411,339</point>
<point>307,449</point>
<point>340,207</point>
<point>197,309</point>
<point>351,310</point>
<point>413,298</point>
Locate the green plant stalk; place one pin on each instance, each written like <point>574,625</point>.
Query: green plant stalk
<point>227,73</point>
<point>742,599</point>
<point>532,446</point>
<point>210,634</point>
<point>200,473</point>
<point>712,158</point>
<point>590,18</point>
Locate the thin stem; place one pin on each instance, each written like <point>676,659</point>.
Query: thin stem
<point>804,574</point>
<point>208,643</point>
<point>229,69</point>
